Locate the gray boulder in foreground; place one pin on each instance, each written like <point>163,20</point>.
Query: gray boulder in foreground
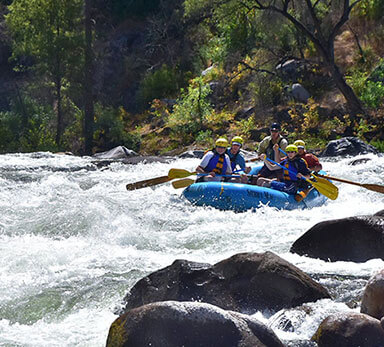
<point>246,282</point>
<point>356,239</point>
<point>372,303</point>
<point>349,329</point>
<point>188,324</point>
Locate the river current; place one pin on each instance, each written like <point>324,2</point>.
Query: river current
<point>73,241</point>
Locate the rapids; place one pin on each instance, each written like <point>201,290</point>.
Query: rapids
<point>73,240</point>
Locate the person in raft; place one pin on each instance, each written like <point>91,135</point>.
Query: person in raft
<point>266,147</point>
<point>290,181</point>
<point>311,159</point>
<point>235,156</point>
<point>215,162</point>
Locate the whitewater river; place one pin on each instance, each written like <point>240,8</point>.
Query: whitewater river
<point>73,240</point>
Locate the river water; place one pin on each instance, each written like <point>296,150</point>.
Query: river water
<point>73,240</point>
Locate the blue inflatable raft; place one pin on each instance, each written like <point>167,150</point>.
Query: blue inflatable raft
<point>241,197</point>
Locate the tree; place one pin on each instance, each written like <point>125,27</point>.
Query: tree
<point>320,21</point>
<point>88,83</point>
<point>50,32</point>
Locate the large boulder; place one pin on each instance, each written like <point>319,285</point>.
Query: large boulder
<point>297,92</point>
<point>347,146</point>
<point>175,324</point>
<point>260,281</point>
<point>349,329</point>
<point>182,281</point>
<point>246,282</point>
<point>355,239</point>
<point>373,297</point>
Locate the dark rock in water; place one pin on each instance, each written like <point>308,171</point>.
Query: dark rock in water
<point>372,303</point>
<point>260,281</point>
<point>349,329</point>
<point>192,154</point>
<point>347,146</point>
<point>359,161</point>
<point>245,282</point>
<point>119,152</point>
<point>182,281</point>
<point>176,324</point>
<point>379,214</point>
<point>355,239</point>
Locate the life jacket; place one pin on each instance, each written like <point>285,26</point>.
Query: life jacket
<point>293,166</point>
<point>311,159</point>
<point>217,164</point>
<point>269,151</point>
<point>232,159</point>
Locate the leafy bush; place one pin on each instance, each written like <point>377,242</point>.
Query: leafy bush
<point>370,9</point>
<point>373,94</point>
<point>161,83</point>
<point>110,129</point>
<point>28,127</point>
<point>191,110</point>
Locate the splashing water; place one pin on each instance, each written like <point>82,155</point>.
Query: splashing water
<point>73,240</point>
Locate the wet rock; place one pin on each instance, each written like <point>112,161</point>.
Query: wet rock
<point>192,154</point>
<point>175,324</point>
<point>182,281</point>
<point>347,146</point>
<point>359,161</point>
<point>119,152</point>
<point>246,282</point>
<point>355,239</point>
<point>260,281</point>
<point>349,329</point>
<point>379,214</point>
<point>373,298</point>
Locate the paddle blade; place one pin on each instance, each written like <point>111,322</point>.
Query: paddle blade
<point>183,183</point>
<point>147,183</point>
<point>375,187</point>
<point>325,187</point>
<point>179,173</point>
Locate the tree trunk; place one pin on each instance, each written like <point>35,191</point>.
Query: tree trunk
<point>59,130</point>
<point>353,101</point>
<point>88,82</point>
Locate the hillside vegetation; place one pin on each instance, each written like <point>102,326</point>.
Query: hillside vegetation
<point>160,76</point>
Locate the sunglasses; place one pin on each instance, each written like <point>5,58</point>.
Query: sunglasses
<point>220,147</point>
<point>291,152</point>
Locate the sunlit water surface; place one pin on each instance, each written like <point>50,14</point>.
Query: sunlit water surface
<point>73,240</point>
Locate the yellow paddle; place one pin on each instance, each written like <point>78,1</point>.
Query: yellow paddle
<point>323,186</point>
<point>374,187</point>
<point>173,173</point>
<point>179,173</point>
<point>183,183</point>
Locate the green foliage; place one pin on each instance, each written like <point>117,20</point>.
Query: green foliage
<point>110,129</point>
<point>370,9</point>
<point>191,110</point>
<point>164,82</point>
<point>373,94</point>
<point>205,138</point>
<point>379,145</point>
<point>27,127</point>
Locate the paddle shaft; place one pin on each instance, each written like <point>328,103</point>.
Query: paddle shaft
<point>374,187</point>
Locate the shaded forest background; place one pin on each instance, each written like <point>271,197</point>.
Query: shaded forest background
<point>160,76</point>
